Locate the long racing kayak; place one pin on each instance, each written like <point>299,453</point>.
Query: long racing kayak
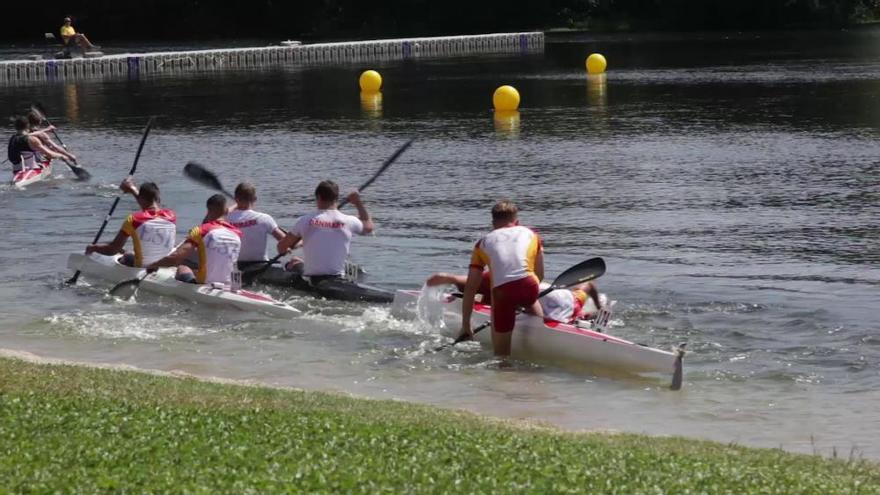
<point>29,176</point>
<point>163,282</point>
<point>341,289</point>
<point>538,339</point>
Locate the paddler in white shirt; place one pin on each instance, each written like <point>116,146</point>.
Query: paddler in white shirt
<point>562,305</point>
<point>255,226</point>
<point>217,244</point>
<point>152,229</point>
<point>326,234</point>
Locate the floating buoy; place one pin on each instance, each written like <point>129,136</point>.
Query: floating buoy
<point>596,63</point>
<point>371,104</point>
<point>506,99</point>
<point>370,81</point>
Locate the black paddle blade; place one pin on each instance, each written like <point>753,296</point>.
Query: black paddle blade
<point>204,177</point>
<point>584,271</point>
<point>79,172</point>
<point>125,290</point>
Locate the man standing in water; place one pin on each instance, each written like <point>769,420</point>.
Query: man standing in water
<point>515,258</point>
<point>326,234</point>
<point>255,226</point>
<point>217,244</point>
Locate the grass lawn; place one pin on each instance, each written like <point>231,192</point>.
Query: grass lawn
<point>79,429</point>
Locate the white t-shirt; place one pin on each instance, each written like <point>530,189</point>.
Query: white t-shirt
<point>326,236</point>
<point>218,244</point>
<point>255,229</point>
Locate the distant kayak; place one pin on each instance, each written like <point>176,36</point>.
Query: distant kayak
<point>29,176</point>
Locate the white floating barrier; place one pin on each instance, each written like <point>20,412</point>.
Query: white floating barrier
<point>145,65</point>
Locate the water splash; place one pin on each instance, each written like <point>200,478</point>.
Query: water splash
<point>430,306</point>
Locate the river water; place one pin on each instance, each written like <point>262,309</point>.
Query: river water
<point>729,181</point>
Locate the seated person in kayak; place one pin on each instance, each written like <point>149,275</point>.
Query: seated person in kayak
<point>255,226</point>
<point>70,37</point>
<point>515,257</point>
<point>152,229</point>
<point>217,244</point>
<point>326,234</point>
<point>562,305</point>
<point>25,150</point>
<point>34,122</point>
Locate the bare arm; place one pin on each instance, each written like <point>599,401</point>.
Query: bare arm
<point>278,234</point>
<point>539,264</point>
<point>475,276</point>
<point>37,145</point>
<point>289,242</point>
<point>108,249</point>
<point>355,199</point>
<point>174,258</point>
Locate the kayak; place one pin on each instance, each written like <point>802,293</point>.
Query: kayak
<point>163,282</point>
<point>29,176</point>
<point>539,339</point>
<point>340,289</point>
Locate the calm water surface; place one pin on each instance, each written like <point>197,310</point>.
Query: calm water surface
<point>730,182</point>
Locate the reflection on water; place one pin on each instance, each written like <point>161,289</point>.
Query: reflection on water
<point>730,184</point>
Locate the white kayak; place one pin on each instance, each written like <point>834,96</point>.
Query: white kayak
<point>538,339</point>
<point>29,176</point>
<point>163,282</point>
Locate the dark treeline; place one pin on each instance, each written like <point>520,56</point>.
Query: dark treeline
<point>316,19</point>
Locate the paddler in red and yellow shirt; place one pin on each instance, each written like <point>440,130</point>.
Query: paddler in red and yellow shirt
<point>217,244</point>
<point>515,258</point>
<point>152,229</point>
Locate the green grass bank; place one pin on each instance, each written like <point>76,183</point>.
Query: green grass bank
<point>79,429</point>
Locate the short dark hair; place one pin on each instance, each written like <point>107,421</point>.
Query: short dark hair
<point>148,192</point>
<point>327,190</point>
<point>34,118</point>
<point>216,203</point>
<point>246,192</point>
<point>21,123</point>
<point>504,211</point>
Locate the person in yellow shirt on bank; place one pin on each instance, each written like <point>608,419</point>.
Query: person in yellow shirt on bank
<point>68,35</point>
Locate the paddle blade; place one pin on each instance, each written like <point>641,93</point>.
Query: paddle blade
<point>79,172</point>
<point>126,290</point>
<point>204,177</point>
<point>584,271</point>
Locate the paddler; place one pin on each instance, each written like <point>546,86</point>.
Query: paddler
<point>34,122</point>
<point>255,226</point>
<point>217,244</point>
<point>152,229</point>
<point>562,305</point>
<point>515,257</point>
<point>326,234</point>
<point>24,149</point>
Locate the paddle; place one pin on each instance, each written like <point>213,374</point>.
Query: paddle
<point>81,173</point>
<point>204,177</point>
<point>584,271</point>
<point>137,157</point>
<point>127,289</point>
<point>254,273</point>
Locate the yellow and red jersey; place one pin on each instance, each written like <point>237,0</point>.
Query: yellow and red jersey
<point>218,244</point>
<point>152,232</point>
<point>510,252</point>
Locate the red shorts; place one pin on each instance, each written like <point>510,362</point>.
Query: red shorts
<point>507,298</point>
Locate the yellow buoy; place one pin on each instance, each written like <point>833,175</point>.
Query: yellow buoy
<point>370,81</point>
<point>596,63</point>
<point>506,99</point>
